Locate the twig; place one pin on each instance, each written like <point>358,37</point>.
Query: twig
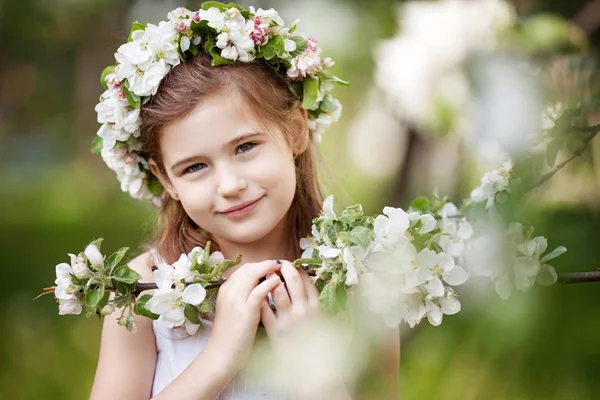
<point>143,286</point>
<point>593,132</point>
<point>579,277</point>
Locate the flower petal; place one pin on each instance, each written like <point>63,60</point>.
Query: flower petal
<point>547,275</point>
<point>553,254</point>
<point>455,276</point>
<point>194,294</point>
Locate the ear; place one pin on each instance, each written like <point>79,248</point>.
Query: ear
<point>163,179</point>
<point>302,141</point>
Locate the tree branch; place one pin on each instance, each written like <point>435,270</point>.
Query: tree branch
<point>594,131</point>
<point>579,277</point>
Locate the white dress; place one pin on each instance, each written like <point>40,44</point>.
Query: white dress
<point>176,349</point>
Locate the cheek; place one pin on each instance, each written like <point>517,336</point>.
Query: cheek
<point>276,172</point>
<point>195,199</point>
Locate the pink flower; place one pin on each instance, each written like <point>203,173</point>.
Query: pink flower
<point>196,17</point>
<point>260,32</point>
<point>182,27</point>
<point>129,158</point>
<point>112,80</point>
<point>311,44</point>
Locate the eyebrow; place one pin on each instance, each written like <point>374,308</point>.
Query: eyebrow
<point>230,143</point>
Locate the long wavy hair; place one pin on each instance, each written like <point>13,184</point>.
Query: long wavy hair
<point>268,98</point>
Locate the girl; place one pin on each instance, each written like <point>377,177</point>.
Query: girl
<point>232,148</point>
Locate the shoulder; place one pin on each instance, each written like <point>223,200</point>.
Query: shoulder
<point>143,264</point>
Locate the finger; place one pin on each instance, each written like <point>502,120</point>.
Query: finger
<point>281,298</point>
<point>267,316</point>
<point>249,274</point>
<point>294,284</point>
<point>258,294</point>
<point>311,290</point>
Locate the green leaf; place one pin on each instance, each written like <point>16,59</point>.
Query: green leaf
<point>341,296</point>
<point>328,105</point>
<point>154,185</point>
<point>136,26</point>
<point>311,91</point>
<point>274,47</point>
<point>115,258</point>
<point>133,99</point>
<point>217,59</point>
<point>93,297</point>
<point>300,44</point>
<point>360,235</point>
<point>221,6</point>
<point>200,28</point>
<point>107,71</point>
<point>140,307</point>
<point>353,212</point>
<point>126,275</point>
<point>420,204</point>
<point>97,144</point>
<point>97,243</point>
<point>191,313</point>
<point>194,50</point>
<point>207,307</point>
<point>328,299</point>
<point>338,81</point>
<point>422,241</point>
<point>125,289</point>
<point>308,261</point>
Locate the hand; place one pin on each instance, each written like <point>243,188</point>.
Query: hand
<point>238,312</point>
<point>294,306</point>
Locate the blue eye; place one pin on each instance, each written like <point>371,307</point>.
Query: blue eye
<point>195,167</point>
<point>244,148</point>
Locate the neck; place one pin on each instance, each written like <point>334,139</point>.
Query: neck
<point>274,246</point>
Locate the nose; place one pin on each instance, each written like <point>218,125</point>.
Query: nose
<point>230,183</point>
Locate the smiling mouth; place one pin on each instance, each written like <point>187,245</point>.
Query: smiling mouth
<point>244,210</point>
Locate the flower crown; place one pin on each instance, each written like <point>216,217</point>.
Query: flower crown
<point>226,33</point>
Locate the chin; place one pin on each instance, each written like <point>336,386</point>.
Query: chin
<point>249,231</point>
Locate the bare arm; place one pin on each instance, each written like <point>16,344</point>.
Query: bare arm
<point>127,360</point>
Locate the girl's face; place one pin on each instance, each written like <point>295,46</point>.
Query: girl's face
<point>233,179</point>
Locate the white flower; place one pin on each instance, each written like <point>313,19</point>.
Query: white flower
<point>352,258</point>
<point>170,303</point>
<point>81,271</point>
<point>456,232</point>
<point>492,183</point>
<point>328,207</point>
<point>391,227</point>
<point>68,303</point>
<point>93,255</point>
<point>550,115</point>
<point>305,245</point>
<point>222,40</point>
<point>69,306</point>
<point>215,18</point>
<point>434,267</point>
<point>229,53</point>
<point>271,14</point>
<point>328,252</point>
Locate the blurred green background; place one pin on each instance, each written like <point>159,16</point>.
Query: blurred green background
<point>56,196</point>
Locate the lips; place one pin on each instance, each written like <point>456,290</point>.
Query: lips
<point>241,207</point>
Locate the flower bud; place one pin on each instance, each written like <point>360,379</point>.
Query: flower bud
<point>107,309</point>
<point>71,289</point>
<point>93,255</point>
<point>122,320</point>
<point>81,271</point>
